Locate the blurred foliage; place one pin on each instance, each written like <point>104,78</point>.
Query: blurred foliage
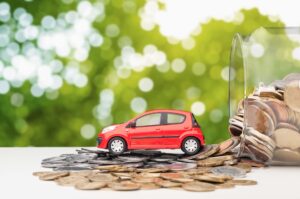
<point>58,121</point>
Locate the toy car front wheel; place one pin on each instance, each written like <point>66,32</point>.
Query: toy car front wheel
<point>117,146</point>
<point>190,146</point>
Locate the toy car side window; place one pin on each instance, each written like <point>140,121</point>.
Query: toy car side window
<point>175,118</point>
<point>149,120</point>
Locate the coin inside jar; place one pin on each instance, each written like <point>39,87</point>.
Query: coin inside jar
<point>292,95</point>
<point>259,120</point>
<point>287,138</point>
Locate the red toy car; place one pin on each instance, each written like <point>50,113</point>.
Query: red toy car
<point>157,129</point>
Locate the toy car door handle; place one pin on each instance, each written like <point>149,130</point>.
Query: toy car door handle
<point>158,129</point>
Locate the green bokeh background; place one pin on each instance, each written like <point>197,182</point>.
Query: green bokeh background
<point>44,121</point>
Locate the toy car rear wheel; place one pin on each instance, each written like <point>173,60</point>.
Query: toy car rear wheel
<point>191,146</point>
<point>117,146</point>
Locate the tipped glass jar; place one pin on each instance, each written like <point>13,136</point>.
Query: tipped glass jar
<point>264,95</point>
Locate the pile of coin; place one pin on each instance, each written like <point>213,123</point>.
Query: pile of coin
<point>270,121</point>
<point>215,167</point>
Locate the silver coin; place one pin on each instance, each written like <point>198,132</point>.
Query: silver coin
<point>229,170</point>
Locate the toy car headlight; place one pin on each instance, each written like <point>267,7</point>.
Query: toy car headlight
<point>109,128</point>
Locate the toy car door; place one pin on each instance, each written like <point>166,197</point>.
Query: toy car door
<point>146,133</point>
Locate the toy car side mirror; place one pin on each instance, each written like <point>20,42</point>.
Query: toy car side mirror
<point>133,124</point>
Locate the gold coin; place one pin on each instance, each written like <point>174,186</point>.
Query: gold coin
<point>141,179</point>
<point>198,186</point>
<point>215,161</point>
<point>149,186</point>
<point>242,182</point>
<point>71,180</point>
<point>54,175</point>
<point>245,166</point>
<point>102,177</point>
<point>167,183</point>
<point>176,177</point>
<point>148,175</point>
<point>209,177</point>
<point>124,186</point>
<point>252,163</point>
<point>90,185</point>
<point>41,173</point>
<point>271,94</point>
<point>81,173</point>
<point>208,150</point>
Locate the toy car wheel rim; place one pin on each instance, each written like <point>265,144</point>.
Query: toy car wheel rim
<point>117,146</point>
<point>191,145</point>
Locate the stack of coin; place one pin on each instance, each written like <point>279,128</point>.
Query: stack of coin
<point>215,167</point>
<point>269,121</point>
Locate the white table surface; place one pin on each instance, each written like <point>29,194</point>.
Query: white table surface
<point>17,181</point>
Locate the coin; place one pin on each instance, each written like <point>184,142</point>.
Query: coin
<point>149,186</point>
<point>141,179</point>
<point>41,173</point>
<point>207,151</point>
<point>228,145</point>
<point>167,183</point>
<point>287,138</point>
<point>214,161</point>
<point>210,177</point>
<point>176,177</point>
<point>235,130</point>
<point>177,166</point>
<point>71,180</point>
<point>245,166</point>
<point>267,140</point>
<point>292,95</point>
<point>287,155</point>
<point>102,177</point>
<point>54,175</point>
<point>271,94</point>
<point>287,125</point>
<point>279,109</point>
<point>90,185</point>
<point>229,171</point>
<point>242,182</point>
<point>198,186</point>
<point>124,186</point>
<point>251,140</point>
<point>252,163</point>
<point>259,120</point>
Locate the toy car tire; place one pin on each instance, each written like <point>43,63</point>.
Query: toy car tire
<point>190,146</point>
<point>117,146</point>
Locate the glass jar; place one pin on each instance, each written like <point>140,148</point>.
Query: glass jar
<point>264,94</point>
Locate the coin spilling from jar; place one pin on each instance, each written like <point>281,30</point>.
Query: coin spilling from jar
<point>268,120</point>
